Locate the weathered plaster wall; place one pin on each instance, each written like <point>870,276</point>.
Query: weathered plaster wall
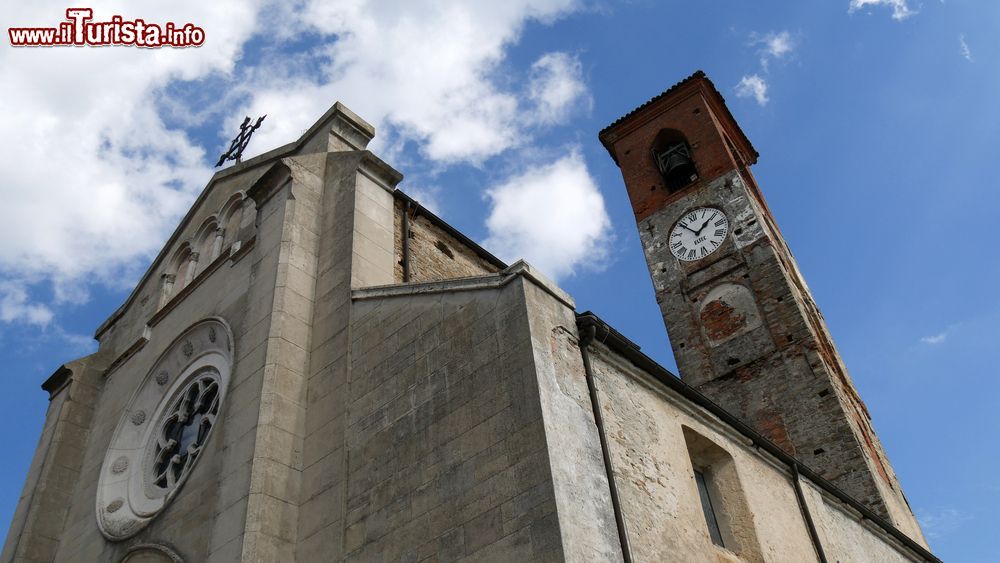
<point>653,469</point>
<point>845,536</point>
<point>586,515</point>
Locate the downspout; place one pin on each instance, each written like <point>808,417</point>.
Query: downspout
<point>813,534</point>
<point>589,332</point>
<point>406,243</point>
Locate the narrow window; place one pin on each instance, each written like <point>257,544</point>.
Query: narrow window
<point>728,517</point>
<point>709,510</point>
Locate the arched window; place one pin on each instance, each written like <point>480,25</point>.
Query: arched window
<point>672,156</point>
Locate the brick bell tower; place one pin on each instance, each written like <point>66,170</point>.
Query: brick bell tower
<point>742,324</point>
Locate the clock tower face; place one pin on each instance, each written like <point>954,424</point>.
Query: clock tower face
<point>698,233</point>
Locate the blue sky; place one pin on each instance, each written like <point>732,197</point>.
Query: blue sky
<point>876,120</point>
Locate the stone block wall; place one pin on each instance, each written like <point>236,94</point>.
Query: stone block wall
<point>446,448</point>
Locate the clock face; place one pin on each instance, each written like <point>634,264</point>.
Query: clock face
<point>698,233</point>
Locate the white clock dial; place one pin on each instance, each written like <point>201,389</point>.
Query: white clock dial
<point>698,233</point>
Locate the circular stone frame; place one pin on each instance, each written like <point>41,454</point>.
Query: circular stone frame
<point>128,498</point>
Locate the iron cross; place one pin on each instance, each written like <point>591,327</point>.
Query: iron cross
<point>239,143</point>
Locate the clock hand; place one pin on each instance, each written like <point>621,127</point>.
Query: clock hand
<point>689,228</point>
<point>705,224</point>
<point>707,221</point>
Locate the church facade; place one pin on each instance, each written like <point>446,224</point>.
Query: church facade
<point>316,368</point>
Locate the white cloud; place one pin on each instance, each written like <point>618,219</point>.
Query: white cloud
<point>15,307</point>
<point>753,86</point>
<point>96,176</point>
<point>964,48</point>
<point>935,339</point>
<point>774,46</point>
<point>900,8</point>
<point>551,215</point>
<point>942,522</point>
<point>432,71</point>
<point>556,87</point>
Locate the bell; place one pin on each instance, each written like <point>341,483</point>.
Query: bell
<point>676,167</point>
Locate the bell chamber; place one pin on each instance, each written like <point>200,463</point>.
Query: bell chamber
<point>675,165</point>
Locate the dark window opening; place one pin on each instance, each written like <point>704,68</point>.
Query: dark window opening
<point>444,249</point>
<point>673,159</point>
<point>708,509</point>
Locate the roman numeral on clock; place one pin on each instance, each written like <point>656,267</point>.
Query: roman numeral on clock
<point>704,251</point>
<point>720,222</point>
<point>692,253</point>
<point>720,232</point>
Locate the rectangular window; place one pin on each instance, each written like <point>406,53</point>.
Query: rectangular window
<point>706,506</point>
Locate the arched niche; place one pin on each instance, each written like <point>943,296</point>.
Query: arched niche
<point>151,553</point>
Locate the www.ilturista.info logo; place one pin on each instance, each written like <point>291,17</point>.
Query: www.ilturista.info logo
<point>79,30</point>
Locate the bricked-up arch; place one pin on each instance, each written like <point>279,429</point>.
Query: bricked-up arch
<point>727,311</point>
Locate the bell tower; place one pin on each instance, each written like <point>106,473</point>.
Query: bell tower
<point>742,323</point>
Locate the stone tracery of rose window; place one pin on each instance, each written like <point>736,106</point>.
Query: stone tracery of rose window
<point>183,432</point>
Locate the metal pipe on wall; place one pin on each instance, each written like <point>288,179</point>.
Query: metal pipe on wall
<point>586,338</point>
<point>406,242</point>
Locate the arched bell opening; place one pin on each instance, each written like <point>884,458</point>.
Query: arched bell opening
<point>672,156</point>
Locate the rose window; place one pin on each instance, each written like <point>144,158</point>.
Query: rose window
<point>165,430</point>
<point>183,433</point>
